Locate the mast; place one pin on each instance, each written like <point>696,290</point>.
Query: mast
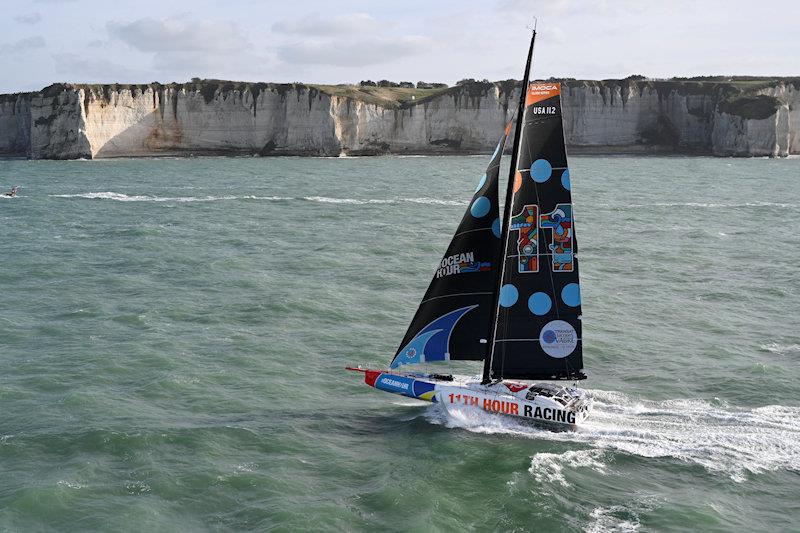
<point>487,364</point>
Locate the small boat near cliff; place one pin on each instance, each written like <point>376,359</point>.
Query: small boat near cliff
<point>507,290</point>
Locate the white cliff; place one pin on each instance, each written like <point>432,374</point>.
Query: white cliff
<point>611,116</point>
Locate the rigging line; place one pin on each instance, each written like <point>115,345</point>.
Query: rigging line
<point>554,168</point>
<point>489,361</point>
<point>567,365</point>
<point>510,215</point>
<point>523,340</point>
<point>451,295</point>
<point>545,254</point>
<point>470,231</point>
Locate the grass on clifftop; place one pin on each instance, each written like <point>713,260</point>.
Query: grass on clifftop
<point>382,96</point>
<point>735,93</point>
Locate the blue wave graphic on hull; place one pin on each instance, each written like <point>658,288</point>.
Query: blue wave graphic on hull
<point>431,343</point>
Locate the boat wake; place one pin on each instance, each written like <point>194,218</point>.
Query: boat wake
<point>721,438</point>
<point>120,197</point>
<point>709,205</point>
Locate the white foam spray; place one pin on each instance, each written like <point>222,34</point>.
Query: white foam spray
<point>121,197</point>
<point>723,439</point>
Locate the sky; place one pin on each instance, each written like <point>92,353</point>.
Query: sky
<point>86,41</point>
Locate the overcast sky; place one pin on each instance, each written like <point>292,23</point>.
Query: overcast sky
<point>45,41</point>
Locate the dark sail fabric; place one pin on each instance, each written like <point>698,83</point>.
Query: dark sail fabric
<point>453,320</point>
<point>538,329</point>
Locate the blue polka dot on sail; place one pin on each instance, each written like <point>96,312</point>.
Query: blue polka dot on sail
<point>508,295</point>
<point>539,303</point>
<point>480,207</point>
<point>565,179</point>
<point>481,183</point>
<point>571,294</point>
<point>541,170</point>
<point>496,227</point>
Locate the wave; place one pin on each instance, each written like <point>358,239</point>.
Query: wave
<point>708,205</point>
<point>354,201</point>
<point>435,201</point>
<point>724,439</point>
<point>781,349</point>
<point>623,518</point>
<point>548,467</point>
<point>120,197</point>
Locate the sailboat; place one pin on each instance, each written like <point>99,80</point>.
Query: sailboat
<point>506,291</point>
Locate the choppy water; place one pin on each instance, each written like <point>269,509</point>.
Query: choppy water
<point>173,335</point>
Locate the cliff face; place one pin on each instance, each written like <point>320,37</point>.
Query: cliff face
<point>15,125</point>
<point>171,120</point>
<point>611,116</point>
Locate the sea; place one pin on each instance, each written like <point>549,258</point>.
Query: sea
<point>174,335</point>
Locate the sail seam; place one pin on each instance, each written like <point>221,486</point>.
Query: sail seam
<point>471,230</point>
<point>541,253</point>
<point>554,168</point>
<point>455,294</point>
<point>524,340</point>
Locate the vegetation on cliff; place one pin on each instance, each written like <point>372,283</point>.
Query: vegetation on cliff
<point>756,107</point>
<point>735,95</point>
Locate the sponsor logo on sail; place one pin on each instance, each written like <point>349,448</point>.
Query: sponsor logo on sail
<point>558,339</point>
<point>461,264</point>
<point>535,87</point>
<point>538,92</point>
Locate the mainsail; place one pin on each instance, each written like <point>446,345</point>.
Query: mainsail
<point>537,333</point>
<point>453,320</point>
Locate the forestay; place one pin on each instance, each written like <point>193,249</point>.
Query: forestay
<point>453,320</point>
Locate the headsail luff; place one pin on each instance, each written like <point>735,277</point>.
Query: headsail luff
<point>487,363</point>
<point>453,320</point>
<point>538,331</point>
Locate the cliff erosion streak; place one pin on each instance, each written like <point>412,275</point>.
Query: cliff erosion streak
<point>744,117</point>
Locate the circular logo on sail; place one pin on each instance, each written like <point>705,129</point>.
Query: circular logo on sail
<point>558,339</point>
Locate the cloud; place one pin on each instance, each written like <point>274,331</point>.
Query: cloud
<point>346,53</point>
<point>82,69</point>
<point>22,46</point>
<point>98,43</point>
<point>188,47</point>
<point>348,40</point>
<point>315,26</point>
<point>170,35</point>
<point>530,8</point>
<point>29,18</point>
<point>210,65</point>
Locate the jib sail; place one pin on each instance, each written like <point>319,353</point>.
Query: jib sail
<point>538,329</point>
<point>453,320</point>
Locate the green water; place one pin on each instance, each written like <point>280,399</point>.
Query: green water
<point>173,335</point>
